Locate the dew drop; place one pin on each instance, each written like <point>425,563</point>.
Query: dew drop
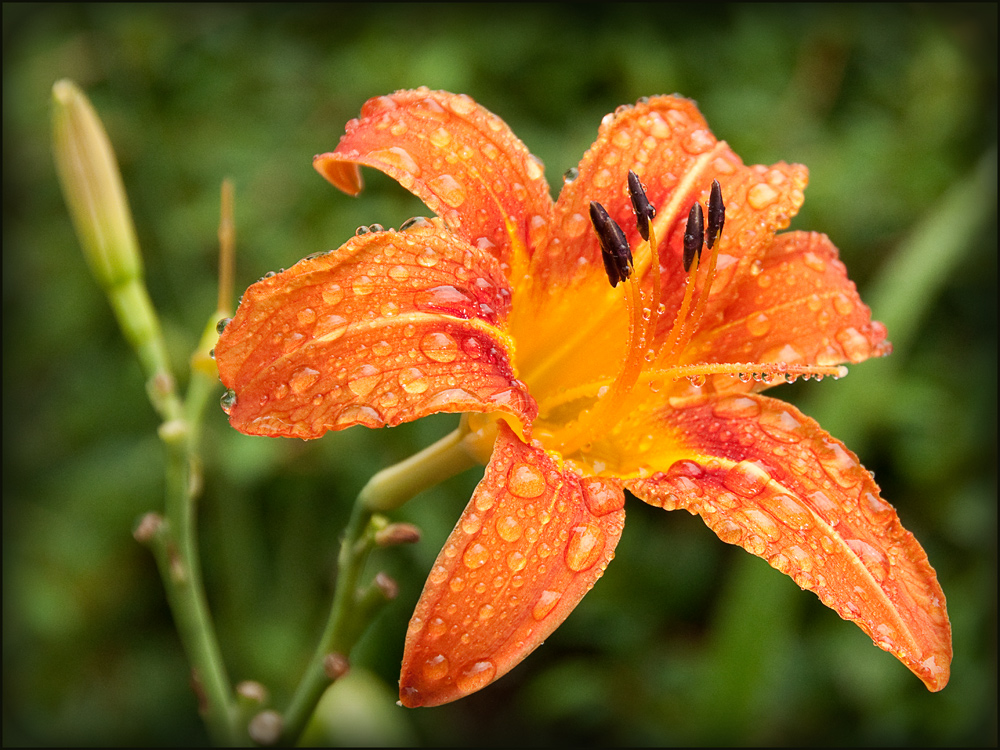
<point>428,258</point>
<point>585,547</point>
<point>332,294</point>
<point>363,379</point>
<point>574,225</point>
<point>509,529</point>
<point>440,138</point>
<point>399,273</point>
<point>413,381</point>
<point>362,286</point>
<point>570,174</point>
<point>475,556</point>
<point>759,324</point>
<point>449,189</point>
<point>221,325</point>
<point>601,497</point>
<point>516,561</point>
<point>439,347</point>
<point>525,480</point>
<point>872,557</point>
<point>789,511</point>
<point>698,141</point>
<point>415,222</point>
<point>472,348</point>
<point>228,400</point>
<point>397,157</point>
<point>545,604</point>
<point>303,379</point>
<point>736,407</point>
<point>856,345</point>
<point>475,676</point>
<point>761,195</point>
<point>330,328</point>
<point>746,478</point>
<point>603,178</point>
<point>381,348</point>
<point>363,415</point>
<point>435,668</point>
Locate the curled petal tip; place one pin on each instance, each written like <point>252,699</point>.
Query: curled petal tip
<point>341,174</point>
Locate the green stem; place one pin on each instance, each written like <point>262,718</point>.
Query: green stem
<point>354,608</point>
<point>392,487</point>
<point>180,565</point>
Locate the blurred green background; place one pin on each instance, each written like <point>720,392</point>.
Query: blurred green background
<point>685,640</point>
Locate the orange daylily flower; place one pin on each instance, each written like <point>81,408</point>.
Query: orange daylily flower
<point>501,308</point>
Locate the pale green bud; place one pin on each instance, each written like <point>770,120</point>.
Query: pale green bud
<point>92,186</point>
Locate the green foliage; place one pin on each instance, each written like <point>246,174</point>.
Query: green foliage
<point>684,640</point>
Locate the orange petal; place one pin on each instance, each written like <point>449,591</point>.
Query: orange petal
<point>389,328</point>
<point>531,543</point>
<point>764,476</point>
<point>458,158</point>
<point>797,306</point>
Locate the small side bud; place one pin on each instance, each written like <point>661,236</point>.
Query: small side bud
<point>397,533</point>
<point>694,236</point>
<point>614,247</point>
<point>147,528</point>
<point>387,585</point>
<point>644,212</point>
<point>336,665</point>
<point>265,728</point>
<point>716,214</point>
<point>252,692</point>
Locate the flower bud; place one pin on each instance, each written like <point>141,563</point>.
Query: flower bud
<point>92,186</point>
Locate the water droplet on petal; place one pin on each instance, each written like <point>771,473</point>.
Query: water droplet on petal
<point>303,379</point>
<point>758,324</point>
<point>533,167</point>
<point>221,325</point>
<point>746,478</point>
<point>761,195</point>
<point>363,379</point>
<point>602,498</point>
<point>363,415</point>
<point>545,604</point>
<point>462,105</point>
<point>399,273</point>
<point>228,400</point>
<point>585,547</point>
<point>428,258</point>
<point>448,189</point>
<point>525,480</point>
<point>413,380</point>
<point>439,347</point>
<point>574,225</point>
<point>440,138</point>
<point>570,174</point>
<point>516,561</point>
<point>856,345</point>
<point>332,294</point>
<point>872,557</point>
<point>398,157</point>
<point>789,511</point>
<point>509,529</point>
<point>736,407</point>
<point>475,556</point>
<point>436,668</point>
<point>476,675</point>
<point>362,286</point>
<point>603,178</point>
<point>329,328</point>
